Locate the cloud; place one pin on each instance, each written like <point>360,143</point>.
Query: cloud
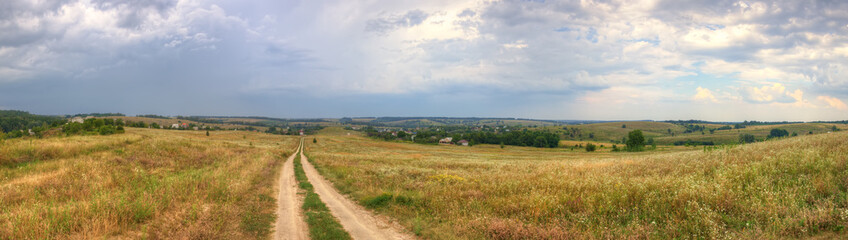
<point>736,55</point>
<point>703,94</point>
<point>390,23</point>
<point>772,93</point>
<point>833,102</point>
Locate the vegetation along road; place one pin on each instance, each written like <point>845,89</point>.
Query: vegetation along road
<point>360,223</point>
<point>354,219</point>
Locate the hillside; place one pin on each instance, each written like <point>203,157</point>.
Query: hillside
<point>169,121</point>
<point>668,133</point>
<point>788,188</point>
<point>144,184</point>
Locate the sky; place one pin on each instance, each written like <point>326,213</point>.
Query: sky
<point>585,60</point>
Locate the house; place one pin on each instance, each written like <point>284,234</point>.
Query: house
<point>446,140</point>
<point>301,132</point>
<point>463,142</point>
<point>175,126</point>
<point>77,120</point>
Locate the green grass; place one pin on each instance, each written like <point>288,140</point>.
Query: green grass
<point>322,224</point>
<point>612,131</point>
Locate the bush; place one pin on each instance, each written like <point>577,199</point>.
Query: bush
<point>106,130</point>
<point>590,147</point>
<point>777,132</point>
<point>635,141</point>
<point>746,138</point>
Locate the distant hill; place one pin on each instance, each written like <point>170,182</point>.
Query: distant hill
<point>667,133</point>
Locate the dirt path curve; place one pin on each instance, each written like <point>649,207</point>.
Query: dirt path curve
<point>290,225</point>
<point>357,221</point>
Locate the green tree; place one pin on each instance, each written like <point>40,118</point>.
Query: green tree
<point>746,138</point>
<point>591,147</point>
<point>207,133</point>
<point>777,132</point>
<point>314,140</point>
<point>623,125</point>
<point>635,141</point>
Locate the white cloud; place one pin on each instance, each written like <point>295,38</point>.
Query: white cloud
<point>772,93</point>
<point>704,94</point>
<point>833,102</point>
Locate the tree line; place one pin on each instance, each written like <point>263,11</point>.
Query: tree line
<point>528,138</point>
<point>16,124</point>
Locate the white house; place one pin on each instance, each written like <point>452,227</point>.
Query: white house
<point>446,140</point>
<point>175,126</point>
<point>77,120</point>
<point>463,142</point>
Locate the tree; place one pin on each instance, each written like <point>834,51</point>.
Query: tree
<point>207,133</point>
<point>746,138</point>
<point>623,125</point>
<point>635,141</point>
<point>777,132</point>
<point>314,140</point>
<point>590,147</point>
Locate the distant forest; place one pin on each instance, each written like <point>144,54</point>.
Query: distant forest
<point>17,123</point>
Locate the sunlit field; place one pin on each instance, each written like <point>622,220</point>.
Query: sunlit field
<point>144,184</point>
<point>793,187</point>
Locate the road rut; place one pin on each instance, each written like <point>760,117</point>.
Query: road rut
<point>290,224</point>
<point>357,221</point>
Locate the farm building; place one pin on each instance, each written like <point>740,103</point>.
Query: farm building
<point>463,142</point>
<point>446,140</point>
<point>77,120</point>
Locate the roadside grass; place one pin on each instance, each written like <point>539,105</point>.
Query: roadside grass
<point>146,183</point>
<point>322,224</point>
<point>788,188</point>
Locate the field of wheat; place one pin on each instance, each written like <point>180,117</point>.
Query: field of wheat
<point>794,187</point>
<point>144,184</point>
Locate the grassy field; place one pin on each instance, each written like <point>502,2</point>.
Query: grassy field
<point>790,188</point>
<point>167,122</point>
<point>604,132</point>
<point>147,184</point>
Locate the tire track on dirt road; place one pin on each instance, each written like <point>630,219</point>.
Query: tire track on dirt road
<point>290,224</point>
<point>360,223</point>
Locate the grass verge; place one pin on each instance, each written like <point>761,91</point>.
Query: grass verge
<point>322,224</point>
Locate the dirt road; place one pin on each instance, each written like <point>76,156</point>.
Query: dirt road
<point>290,225</point>
<point>357,221</point>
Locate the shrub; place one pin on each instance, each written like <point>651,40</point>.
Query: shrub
<point>777,132</point>
<point>591,147</point>
<point>635,141</point>
<point>746,138</point>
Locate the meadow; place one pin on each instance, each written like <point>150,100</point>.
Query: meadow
<point>787,188</point>
<point>667,133</point>
<point>144,184</point>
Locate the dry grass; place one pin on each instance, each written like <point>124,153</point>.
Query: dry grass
<point>788,188</point>
<point>153,184</point>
